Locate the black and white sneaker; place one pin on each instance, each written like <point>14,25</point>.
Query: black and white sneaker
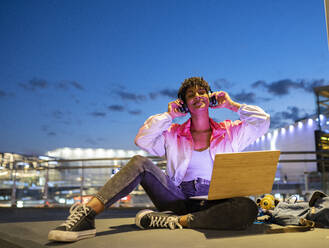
<point>146,219</point>
<point>79,225</point>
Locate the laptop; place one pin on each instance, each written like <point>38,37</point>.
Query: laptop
<point>242,174</point>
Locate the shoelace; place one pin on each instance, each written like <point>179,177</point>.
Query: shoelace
<point>165,221</point>
<point>76,211</point>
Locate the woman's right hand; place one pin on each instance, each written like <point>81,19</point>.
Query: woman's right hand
<point>173,109</point>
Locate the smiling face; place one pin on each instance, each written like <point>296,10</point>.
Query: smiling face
<point>197,99</point>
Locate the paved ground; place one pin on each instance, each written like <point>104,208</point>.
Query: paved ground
<point>115,228</point>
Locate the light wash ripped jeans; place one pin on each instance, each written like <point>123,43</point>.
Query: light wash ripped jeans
<point>164,194</point>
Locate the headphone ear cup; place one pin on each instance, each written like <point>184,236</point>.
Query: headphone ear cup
<point>213,101</point>
<point>184,108</point>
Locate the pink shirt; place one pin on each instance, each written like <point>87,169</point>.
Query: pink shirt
<point>160,137</point>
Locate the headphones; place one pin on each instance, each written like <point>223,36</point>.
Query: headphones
<point>184,108</point>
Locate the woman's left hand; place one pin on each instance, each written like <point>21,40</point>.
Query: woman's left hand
<point>224,101</point>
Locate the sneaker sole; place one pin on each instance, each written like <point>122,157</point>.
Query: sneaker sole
<point>140,215</point>
<point>67,236</point>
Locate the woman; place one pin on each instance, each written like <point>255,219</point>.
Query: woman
<point>190,149</point>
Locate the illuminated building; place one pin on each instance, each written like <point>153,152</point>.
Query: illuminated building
<point>302,136</point>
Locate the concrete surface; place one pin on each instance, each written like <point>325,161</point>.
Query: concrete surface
<point>115,228</point>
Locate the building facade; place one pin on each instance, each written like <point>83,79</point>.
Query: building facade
<point>303,138</point>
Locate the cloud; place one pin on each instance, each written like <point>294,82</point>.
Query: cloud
<point>169,92</point>
<point>277,122</point>
<point>65,85</point>
<point>77,101</point>
<point>243,96</point>
<point>284,86</point>
<point>117,108</point>
<point>4,94</point>
<point>153,95</point>
<point>77,85</point>
<point>66,122</point>
<point>143,97</point>
<point>315,83</point>
<point>130,96</point>
<point>41,84</point>
<point>57,114</point>
<point>222,83</point>
<point>91,141</point>
<point>45,128</point>
<point>292,114</point>
<point>98,114</point>
<point>135,112</point>
<point>164,92</point>
<point>35,84</point>
<point>248,97</point>
<point>62,86</point>
<point>51,134</point>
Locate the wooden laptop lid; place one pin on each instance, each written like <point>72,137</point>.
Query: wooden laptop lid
<point>243,174</point>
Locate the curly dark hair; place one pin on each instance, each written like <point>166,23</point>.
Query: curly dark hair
<point>192,82</point>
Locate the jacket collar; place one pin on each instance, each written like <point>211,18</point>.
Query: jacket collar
<point>184,129</point>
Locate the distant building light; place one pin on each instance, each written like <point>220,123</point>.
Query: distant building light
<point>131,153</point>
<point>20,204</point>
<point>100,153</point>
<point>110,153</point>
<point>300,124</point>
<point>291,128</point>
<point>273,139</point>
<point>263,137</point>
<point>321,117</point>
<point>122,153</point>
<point>257,140</point>
<point>310,122</point>
<point>142,153</point>
<point>78,152</point>
<point>283,131</point>
<point>269,135</point>
<point>66,150</point>
<point>44,158</point>
<point>89,152</point>
<point>81,153</point>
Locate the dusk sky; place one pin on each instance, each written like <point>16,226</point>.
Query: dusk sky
<point>87,74</point>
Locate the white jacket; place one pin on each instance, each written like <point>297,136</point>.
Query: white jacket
<point>160,137</point>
